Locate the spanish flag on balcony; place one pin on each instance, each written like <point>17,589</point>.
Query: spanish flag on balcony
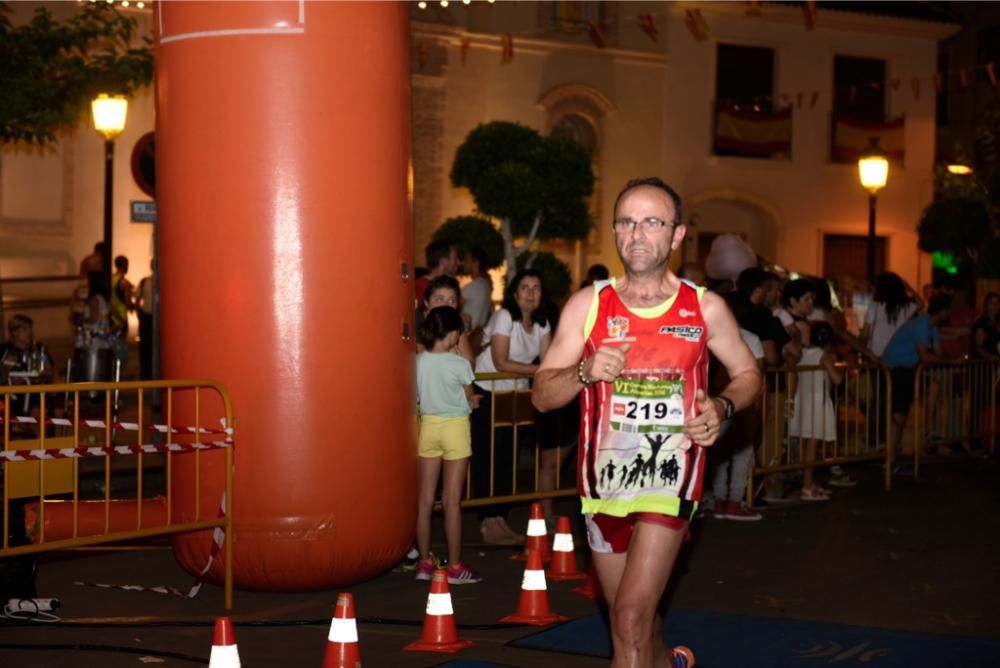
<point>851,137</point>
<point>753,132</point>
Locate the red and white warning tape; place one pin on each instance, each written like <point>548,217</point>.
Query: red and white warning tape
<point>218,539</point>
<point>125,426</point>
<point>96,451</point>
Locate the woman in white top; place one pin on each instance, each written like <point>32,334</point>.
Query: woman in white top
<point>515,339</point>
<point>891,308</point>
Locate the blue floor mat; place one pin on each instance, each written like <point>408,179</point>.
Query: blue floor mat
<point>724,641</point>
<point>460,663</point>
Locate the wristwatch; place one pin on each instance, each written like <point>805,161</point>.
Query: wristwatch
<point>730,407</point>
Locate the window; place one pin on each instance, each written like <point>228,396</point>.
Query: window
<point>744,76</point>
<point>746,122</point>
<point>577,128</point>
<point>859,88</point>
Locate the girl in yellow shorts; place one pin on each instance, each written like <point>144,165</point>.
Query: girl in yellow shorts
<point>444,389</point>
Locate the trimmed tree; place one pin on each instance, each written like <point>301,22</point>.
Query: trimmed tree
<point>53,69</point>
<point>533,186</point>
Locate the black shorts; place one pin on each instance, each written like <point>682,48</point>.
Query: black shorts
<point>902,389</point>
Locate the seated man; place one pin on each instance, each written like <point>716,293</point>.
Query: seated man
<point>23,361</point>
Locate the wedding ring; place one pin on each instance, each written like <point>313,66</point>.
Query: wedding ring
<point>707,428</point>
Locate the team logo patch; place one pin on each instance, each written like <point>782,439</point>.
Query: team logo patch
<point>685,332</point>
<point>618,327</point>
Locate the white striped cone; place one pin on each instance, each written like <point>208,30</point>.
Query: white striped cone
<point>440,634</point>
<point>537,535</point>
<point>533,604</point>
<point>342,643</point>
<point>563,554</point>
<point>224,653</point>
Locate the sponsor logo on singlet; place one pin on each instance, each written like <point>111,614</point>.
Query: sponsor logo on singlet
<point>685,332</point>
<point>684,313</point>
<point>617,327</point>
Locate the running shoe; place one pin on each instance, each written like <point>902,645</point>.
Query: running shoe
<point>683,657</point>
<point>738,511</point>
<point>425,568</point>
<point>410,560</point>
<point>842,481</point>
<point>460,574</point>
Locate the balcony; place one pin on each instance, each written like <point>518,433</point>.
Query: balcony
<point>752,131</point>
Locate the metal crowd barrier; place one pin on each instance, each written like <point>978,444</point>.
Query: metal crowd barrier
<point>955,403</point>
<point>514,414</point>
<point>801,408</point>
<point>46,453</point>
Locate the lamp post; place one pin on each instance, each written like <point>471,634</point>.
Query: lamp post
<point>873,170</point>
<point>109,119</point>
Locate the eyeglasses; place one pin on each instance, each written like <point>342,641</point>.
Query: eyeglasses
<point>647,225</point>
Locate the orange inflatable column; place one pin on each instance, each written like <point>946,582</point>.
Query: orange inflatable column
<point>282,161</point>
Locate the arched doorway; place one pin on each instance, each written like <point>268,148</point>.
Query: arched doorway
<point>712,214</point>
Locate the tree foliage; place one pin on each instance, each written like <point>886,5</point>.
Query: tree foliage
<point>52,69</point>
<point>534,186</point>
<point>467,232</point>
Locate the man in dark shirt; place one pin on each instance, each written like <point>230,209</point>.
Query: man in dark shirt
<point>756,294</point>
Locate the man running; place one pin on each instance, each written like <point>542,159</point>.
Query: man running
<point>637,347</point>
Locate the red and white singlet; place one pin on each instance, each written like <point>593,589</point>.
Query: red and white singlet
<point>633,456</point>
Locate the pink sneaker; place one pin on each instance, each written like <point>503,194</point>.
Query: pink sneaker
<point>425,568</point>
<point>738,511</point>
<point>460,574</point>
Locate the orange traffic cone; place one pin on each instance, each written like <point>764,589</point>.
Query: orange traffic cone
<point>533,605</point>
<point>439,622</point>
<point>593,587</point>
<point>224,653</point>
<point>342,645</point>
<point>538,538</point>
<point>563,554</point>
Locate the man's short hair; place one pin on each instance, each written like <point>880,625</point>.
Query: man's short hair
<point>752,278</point>
<point>99,247</point>
<point>437,251</point>
<point>121,262</point>
<point>653,182</point>
<point>796,290</point>
<point>18,321</point>
<point>938,303</point>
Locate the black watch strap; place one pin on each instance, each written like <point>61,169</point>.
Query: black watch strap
<point>730,407</point>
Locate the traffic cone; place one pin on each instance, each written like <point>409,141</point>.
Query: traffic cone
<point>563,554</point>
<point>439,622</point>
<point>224,653</point>
<point>538,538</point>
<point>533,604</point>
<point>593,587</point>
<point>342,645</point>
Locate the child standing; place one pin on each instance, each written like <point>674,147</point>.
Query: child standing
<point>813,417</point>
<point>444,390</point>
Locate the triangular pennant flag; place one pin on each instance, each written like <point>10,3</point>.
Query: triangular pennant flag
<point>963,77</point>
<point>809,14</point>
<point>894,84</point>
<point>696,24</point>
<point>991,72</point>
<point>814,99</point>
<point>647,25</point>
<point>464,46</point>
<point>422,54</point>
<point>753,7</point>
<point>596,34</point>
<point>785,99</point>
<point>507,54</point>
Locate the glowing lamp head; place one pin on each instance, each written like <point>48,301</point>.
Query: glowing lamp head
<point>959,169</point>
<point>873,167</point>
<point>109,114</point>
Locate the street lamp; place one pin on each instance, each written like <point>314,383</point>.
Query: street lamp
<point>873,170</point>
<point>109,119</point>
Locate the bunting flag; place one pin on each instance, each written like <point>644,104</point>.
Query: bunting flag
<point>422,53</point>
<point>963,78</point>
<point>851,138</point>
<point>894,84</point>
<point>915,85</point>
<point>814,99</point>
<point>752,132</point>
<point>596,34</point>
<point>785,99</point>
<point>753,7</point>
<point>507,53</point>
<point>647,25</point>
<point>696,24</point>
<point>809,14</point>
<point>991,72</point>
<point>464,47</point>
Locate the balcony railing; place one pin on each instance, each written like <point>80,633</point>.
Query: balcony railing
<point>752,131</point>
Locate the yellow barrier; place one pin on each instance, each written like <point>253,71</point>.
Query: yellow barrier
<point>55,466</point>
<point>511,410</point>
<point>954,404</point>
<point>809,421</point>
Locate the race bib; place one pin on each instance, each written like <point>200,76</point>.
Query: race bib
<point>648,401</point>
